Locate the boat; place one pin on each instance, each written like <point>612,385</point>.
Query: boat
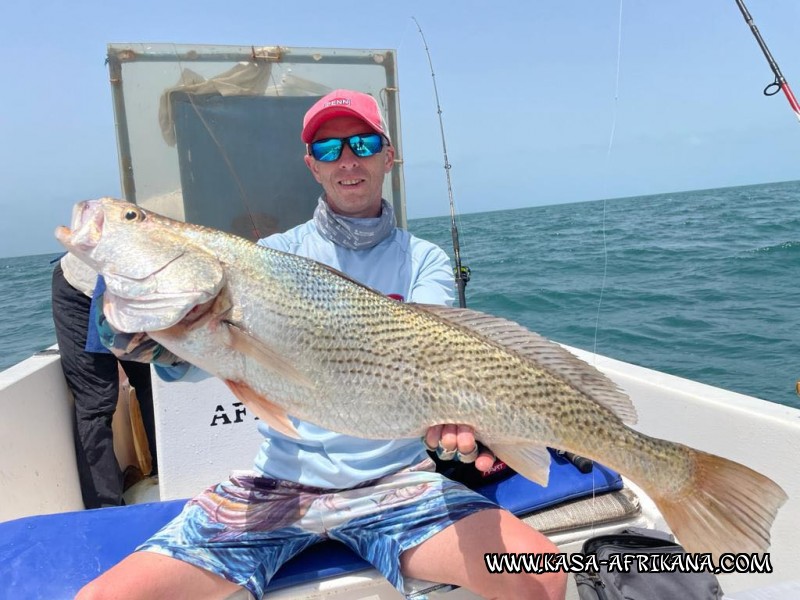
<point>190,124</point>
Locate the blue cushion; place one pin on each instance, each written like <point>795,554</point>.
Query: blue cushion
<point>521,496</point>
<point>53,556</point>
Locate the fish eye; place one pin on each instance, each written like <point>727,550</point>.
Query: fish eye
<point>133,215</point>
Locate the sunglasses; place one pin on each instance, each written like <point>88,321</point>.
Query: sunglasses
<point>362,145</point>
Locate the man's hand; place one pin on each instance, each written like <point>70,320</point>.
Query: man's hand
<point>138,347</point>
<point>457,442</point>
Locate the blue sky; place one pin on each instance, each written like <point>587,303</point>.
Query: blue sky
<point>529,93</point>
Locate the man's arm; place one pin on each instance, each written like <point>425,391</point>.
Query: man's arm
<point>433,282</point>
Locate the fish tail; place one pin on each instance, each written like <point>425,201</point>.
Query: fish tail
<point>726,507</point>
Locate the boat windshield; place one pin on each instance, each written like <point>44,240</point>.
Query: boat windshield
<point>211,134</point>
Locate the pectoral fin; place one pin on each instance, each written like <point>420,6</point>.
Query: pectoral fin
<point>532,461</point>
<point>243,342</point>
<point>269,412</point>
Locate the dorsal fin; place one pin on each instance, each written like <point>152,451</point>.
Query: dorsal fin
<point>546,354</point>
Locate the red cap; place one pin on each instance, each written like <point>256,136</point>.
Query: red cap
<point>342,103</point>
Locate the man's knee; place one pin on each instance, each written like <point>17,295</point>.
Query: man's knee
<point>547,585</point>
<point>90,592</point>
<point>553,585</point>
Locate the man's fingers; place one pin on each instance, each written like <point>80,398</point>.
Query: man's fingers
<point>432,437</point>
<point>465,439</point>
<point>449,437</point>
<point>458,442</point>
<point>485,460</point>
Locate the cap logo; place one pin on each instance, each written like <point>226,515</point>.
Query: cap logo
<point>337,102</point>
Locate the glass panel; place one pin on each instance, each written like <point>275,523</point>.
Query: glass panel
<point>211,134</point>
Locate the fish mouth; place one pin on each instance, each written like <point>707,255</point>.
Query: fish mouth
<point>87,227</point>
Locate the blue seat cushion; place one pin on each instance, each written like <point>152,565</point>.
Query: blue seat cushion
<point>53,556</point>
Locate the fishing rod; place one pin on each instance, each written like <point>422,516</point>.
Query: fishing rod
<point>780,82</point>
<point>462,272</point>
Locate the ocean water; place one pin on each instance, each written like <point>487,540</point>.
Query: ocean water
<point>702,284</point>
<point>698,284</point>
<point>26,319</point>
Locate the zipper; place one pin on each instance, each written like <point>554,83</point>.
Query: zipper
<point>599,586</point>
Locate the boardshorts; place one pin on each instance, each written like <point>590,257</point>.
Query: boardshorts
<point>244,529</point>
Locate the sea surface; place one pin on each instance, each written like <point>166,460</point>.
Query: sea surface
<point>703,284</point>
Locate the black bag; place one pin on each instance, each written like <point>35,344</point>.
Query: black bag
<point>619,579</point>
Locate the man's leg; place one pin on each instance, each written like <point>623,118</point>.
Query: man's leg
<point>455,555</point>
<point>419,524</point>
<point>234,535</point>
<point>152,576</point>
<point>93,380</point>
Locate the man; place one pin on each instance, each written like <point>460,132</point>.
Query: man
<point>382,498</point>
<point>92,375</point>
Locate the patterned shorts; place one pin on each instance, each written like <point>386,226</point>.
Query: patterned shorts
<point>244,529</point>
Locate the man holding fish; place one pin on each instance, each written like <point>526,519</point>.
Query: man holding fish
<point>380,497</point>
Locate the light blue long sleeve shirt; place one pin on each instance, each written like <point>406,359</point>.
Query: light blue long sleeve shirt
<point>401,265</point>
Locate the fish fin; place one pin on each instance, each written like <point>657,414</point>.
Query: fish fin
<point>269,412</point>
<point>546,354</point>
<point>243,342</point>
<point>532,461</point>
<point>727,508</point>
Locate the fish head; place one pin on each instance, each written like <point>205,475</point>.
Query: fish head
<point>155,271</point>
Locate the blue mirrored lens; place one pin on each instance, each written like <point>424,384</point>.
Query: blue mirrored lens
<point>327,150</point>
<point>362,145</point>
<point>365,144</point>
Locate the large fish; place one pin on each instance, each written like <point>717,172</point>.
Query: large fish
<point>289,335</point>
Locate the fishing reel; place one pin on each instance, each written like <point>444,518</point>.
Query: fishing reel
<point>464,274</point>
